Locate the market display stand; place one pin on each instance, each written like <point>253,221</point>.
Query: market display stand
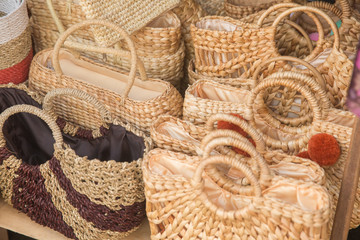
<point>16,221</point>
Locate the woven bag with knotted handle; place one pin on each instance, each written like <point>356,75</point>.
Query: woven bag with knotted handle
<point>292,140</point>
<point>69,189</point>
<point>207,97</point>
<point>177,199</point>
<point>141,101</point>
<point>327,60</point>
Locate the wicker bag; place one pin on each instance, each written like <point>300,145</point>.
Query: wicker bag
<point>212,7</point>
<point>141,101</point>
<point>181,136</point>
<point>15,42</point>
<point>76,195</point>
<point>207,97</point>
<point>185,203</point>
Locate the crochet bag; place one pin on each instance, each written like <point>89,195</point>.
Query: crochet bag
<point>183,202</point>
<point>73,179</point>
<point>15,42</point>
<point>139,104</point>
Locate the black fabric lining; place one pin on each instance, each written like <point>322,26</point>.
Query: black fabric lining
<point>31,139</point>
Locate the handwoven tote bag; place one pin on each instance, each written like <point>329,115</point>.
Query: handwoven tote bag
<point>185,203</point>
<point>212,7</point>
<point>293,140</point>
<point>77,193</point>
<point>206,97</point>
<point>174,134</point>
<point>15,42</point>
<point>130,99</point>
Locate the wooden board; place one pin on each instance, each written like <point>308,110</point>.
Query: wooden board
<point>16,221</point>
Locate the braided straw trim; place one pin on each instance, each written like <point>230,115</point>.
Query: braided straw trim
<point>168,197</point>
<point>130,15</point>
<point>15,50</point>
<point>14,23</point>
<point>8,168</point>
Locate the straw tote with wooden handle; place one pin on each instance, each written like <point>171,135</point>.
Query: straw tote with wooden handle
<point>181,199</point>
<point>140,112</point>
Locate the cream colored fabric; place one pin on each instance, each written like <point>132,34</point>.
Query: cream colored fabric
<point>105,78</point>
<point>165,20</point>
<point>303,197</point>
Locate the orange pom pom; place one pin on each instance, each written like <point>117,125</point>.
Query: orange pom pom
<point>304,154</point>
<point>324,149</point>
<point>231,126</point>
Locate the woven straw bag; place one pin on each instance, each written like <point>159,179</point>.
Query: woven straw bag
<point>212,7</point>
<point>141,101</point>
<point>206,97</point>
<point>174,134</point>
<point>15,42</point>
<point>185,203</point>
<point>74,191</point>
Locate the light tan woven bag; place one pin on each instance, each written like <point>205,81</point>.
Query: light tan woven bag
<point>174,134</point>
<point>185,203</point>
<point>129,98</point>
<point>207,97</point>
<point>212,7</point>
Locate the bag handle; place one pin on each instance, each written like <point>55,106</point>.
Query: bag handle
<point>23,108</point>
<point>319,44</point>
<point>104,113</point>
<point>343,13</point>
<point>198,183</point>
<point>256,99</point>
<point>55,17</point>
<point>253,133</point>
<point>135,62</point>
<point>307,9</point>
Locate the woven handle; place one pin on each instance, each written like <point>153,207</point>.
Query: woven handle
<point>316,73</point>
<point>77,46</point>
<point>344,13</point>
<point>319,12</point>
<point>37,112</point>
<point>48,101</point>
<point>55,17</point>
<point>253,133</point>
<point>197,183</point>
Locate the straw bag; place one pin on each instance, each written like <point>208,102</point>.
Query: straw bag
<point>185,203</point>
<point>206,97</point>
<point>76,195</point>
<point>173,134</point>
<point>133,100</point>
<point>212,7</point>
<point>15,42</point>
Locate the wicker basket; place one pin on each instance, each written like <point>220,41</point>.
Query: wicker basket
<point>15,42</point>
<point>147,99</point>
<point>177,135</point>
<point>182,195</point>
<point>212,7</point>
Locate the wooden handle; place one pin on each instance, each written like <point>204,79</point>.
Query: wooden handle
<point>114,27</point>
<point>48,103</point>
<point>253,133</point>
<point>23,108</point>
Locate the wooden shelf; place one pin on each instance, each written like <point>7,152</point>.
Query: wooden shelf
<point>16,221</point>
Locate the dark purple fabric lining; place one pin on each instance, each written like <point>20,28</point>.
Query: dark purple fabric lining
<point>101,216</point>
<point>31,197</point>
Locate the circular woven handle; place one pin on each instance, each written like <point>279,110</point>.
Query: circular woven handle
<point>114,27</point>
<point>313,52</point>
<point>104,113</point>
<point>319,12</point>
<point>197,182</point>
<point>23,108</point>
<point>345,12</point>
<point>253,133</point>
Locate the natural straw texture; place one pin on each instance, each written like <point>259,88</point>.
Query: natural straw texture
<point>212,7</point>
<point>15,42</point>
<point>68,182</point>
<point>130,15</point>
<point>139,113</point>
<point>174,203</point>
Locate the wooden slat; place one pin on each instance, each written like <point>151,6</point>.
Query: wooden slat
<point>348,189</point>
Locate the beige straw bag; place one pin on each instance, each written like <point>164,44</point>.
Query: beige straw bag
<point>206,97</point>
<point>212,7</point>
<point>129,98</point>
<point>183,202</point>
<point>174,134</point>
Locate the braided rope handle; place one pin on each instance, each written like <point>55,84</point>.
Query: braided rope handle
<point>197,183</point>
<point>55,17</point>
<point>23,108</point>
<point>343,13</point>
<point>135,62</point>
<point>49,97</point>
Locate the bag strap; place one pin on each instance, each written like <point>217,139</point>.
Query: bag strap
<point>343,13</point>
